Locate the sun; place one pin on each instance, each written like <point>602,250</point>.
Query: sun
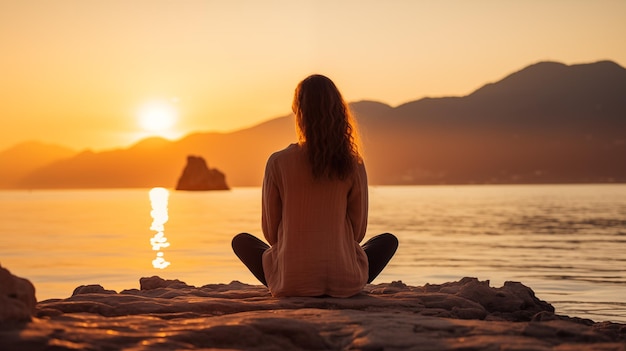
<point>157,116</point>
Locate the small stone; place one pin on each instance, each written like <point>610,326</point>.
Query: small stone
<point>92,289</point>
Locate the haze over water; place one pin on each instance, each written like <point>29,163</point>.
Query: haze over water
<point>566,242</point>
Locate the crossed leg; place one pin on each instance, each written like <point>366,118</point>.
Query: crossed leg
<point>379,250</point>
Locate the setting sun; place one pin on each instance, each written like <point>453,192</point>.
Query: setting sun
<point>157,116</point>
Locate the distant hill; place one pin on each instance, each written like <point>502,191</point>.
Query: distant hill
<point>22,159</point>
<point>241,155</point>
<point>547,123</point>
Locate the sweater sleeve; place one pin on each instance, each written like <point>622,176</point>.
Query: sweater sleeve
<point>358,204</point>
<point>271,207</point>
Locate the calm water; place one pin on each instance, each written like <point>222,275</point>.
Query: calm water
<point>566,242</point>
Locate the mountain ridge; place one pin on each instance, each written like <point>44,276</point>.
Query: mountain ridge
<point>546,123</point>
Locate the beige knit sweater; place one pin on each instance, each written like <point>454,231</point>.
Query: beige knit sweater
<point>314,228</point>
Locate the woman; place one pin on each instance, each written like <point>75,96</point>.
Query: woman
<point>314,206</point>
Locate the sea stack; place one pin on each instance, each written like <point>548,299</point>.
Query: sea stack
<point>199,177</point>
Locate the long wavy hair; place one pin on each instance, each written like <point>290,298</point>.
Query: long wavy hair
<point>326,128</point>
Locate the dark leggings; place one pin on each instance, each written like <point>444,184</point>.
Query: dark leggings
<point>379,250</point>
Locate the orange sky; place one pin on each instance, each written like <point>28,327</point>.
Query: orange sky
<point>77,72</point>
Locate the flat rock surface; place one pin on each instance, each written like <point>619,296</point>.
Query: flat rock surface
<point>171,315</point>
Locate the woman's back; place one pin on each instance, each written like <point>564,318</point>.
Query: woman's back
<point>314,226</point>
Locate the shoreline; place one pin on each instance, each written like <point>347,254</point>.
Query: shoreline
<point>169,314</point>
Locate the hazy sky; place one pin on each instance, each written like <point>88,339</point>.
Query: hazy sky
<point>77,72</point>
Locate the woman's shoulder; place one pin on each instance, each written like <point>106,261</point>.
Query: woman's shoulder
<point>285,155</point>
<point>289,150</point>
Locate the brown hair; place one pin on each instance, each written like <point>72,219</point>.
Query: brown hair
<point>325,128</point>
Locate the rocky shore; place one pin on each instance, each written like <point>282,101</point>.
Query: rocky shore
<point>172,315</point>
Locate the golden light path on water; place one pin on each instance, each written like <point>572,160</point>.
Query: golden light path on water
<point>158,199</point>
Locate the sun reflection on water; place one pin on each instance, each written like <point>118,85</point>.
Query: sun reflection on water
<point>158,200</point>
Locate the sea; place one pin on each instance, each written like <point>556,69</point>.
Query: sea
<point>566,242</point>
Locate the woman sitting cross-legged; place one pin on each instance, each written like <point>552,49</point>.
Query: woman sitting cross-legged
<point>315,206</point>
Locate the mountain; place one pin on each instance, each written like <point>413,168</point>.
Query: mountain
<point>547,123</point>
<point>22,159</point>
<point>154,162</point>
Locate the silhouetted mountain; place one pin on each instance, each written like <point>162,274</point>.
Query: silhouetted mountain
<point>23,158</point>
<point>548,123</point>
